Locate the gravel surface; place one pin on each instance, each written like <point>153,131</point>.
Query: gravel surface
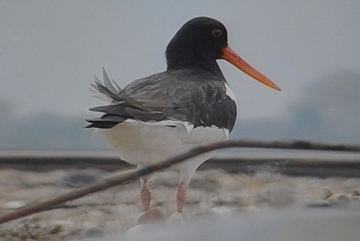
<point>116,210</point>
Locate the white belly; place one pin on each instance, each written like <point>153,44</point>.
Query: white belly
<point>143,143</point>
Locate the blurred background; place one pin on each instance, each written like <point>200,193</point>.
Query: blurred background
<point>50,51</point>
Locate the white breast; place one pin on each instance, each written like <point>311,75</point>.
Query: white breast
<point>144,143</point>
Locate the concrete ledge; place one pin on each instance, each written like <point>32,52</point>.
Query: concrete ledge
<point>303,163</point>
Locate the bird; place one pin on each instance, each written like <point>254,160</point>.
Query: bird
<point>188,105</point>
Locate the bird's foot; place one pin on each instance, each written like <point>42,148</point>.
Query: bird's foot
<point>180,197</point>
<point>145,195</point>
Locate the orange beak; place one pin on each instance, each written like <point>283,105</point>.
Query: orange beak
<point>229,55</point>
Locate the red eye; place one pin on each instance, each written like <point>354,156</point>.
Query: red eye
<point>216,33</point>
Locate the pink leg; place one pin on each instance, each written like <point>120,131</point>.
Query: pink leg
<point>145,194</point>
<point>180,196</point>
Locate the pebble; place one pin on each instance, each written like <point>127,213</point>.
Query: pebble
<point>326,193</point>
<point>95,232</point>
<point>334,198</point>
<point>155,214</point>
<point>14,204</point>
<point>175,218</point>
<point>81,178</point>
<point>221,211</point>
<point>338,198</point>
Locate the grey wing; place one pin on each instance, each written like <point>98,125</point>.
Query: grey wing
<point>161,97</point>
<point>148,99</point>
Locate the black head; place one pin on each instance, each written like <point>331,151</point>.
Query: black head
<point>197,44</point>
<point>200,42</point>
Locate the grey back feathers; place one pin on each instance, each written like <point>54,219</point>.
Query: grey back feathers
<point>191,95</point>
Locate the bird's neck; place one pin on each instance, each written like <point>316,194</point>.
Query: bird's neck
<point>193,64</point>
<point>178,58</point>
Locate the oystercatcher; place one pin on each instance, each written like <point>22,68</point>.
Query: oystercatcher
<point>168,113</point>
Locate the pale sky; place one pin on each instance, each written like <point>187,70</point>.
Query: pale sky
<point>50,50</point>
